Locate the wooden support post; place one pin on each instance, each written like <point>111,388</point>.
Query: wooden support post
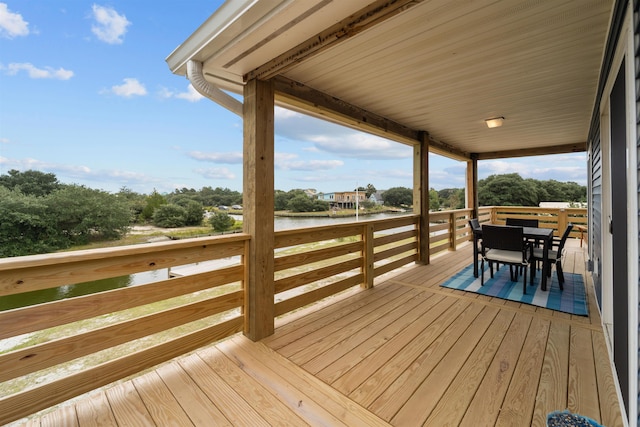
<point>472,186</point>
<point>258,191</point>
<point>421,195</point>
<point>563,220</point>
<point>367,235</point>
<point>452,231</point>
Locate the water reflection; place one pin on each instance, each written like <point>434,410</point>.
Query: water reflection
<point>68,291</point>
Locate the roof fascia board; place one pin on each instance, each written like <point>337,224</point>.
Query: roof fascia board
<point>365,18</point>
<point>220,30</point>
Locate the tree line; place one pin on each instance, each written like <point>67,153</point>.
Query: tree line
<point>38,214</point>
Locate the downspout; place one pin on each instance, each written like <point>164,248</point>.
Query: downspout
<point>208,90</point>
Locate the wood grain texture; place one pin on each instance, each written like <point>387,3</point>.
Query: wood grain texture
<point>406,351</point>
<point>95,411</point>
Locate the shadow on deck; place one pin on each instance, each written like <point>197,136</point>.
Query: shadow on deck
<point>404,353</point>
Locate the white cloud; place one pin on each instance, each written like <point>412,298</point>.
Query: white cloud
<point>130,87</point>
<point>110,26</point>
<point>12,24</point>
<point>230,158</point>
<point>4,140</point>
<point>216,173</point>
<point>288,161</point>
<point>338,140</point>
<point>74,173</point>
<point>565,167</point>
<point>38,73</point>
<point>190,95</point>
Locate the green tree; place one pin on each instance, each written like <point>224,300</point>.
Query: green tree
<point>398,196</point>
<point>221,221</point>
<point>370,190</point>
<point>282,199</point>
<point>195,211</point>
<point>30,182</point>
<point>170,215</point>
<point>506,190</point>
<point>83,213</point>
<point>153,201</point>
<point>26,228</point>
<point>434,200</point>
<point>303,203</point>
<point>136,201</point>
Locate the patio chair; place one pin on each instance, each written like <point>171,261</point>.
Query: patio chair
<point>555,255</point>
<point>476,229</point>
<point>521,222</point>
<point>505,245</point>
<point>518,222</point>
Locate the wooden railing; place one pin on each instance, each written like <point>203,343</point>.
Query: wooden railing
<point>111,327</point>
<point>342,256</point>
<point>124,331</point>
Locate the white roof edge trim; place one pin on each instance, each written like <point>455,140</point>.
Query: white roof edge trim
<point>222,18</point>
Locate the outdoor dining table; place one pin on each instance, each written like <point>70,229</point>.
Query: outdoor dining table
<point>543,235</point>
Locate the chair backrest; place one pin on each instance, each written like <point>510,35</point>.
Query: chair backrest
<point>519,222</point>
<point>475,226</point>
<point>502,237</point>
<point>563,239</point>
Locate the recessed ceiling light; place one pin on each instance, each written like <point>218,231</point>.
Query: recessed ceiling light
<point>494,122</point>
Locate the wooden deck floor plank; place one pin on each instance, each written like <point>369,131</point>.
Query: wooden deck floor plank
<point>410,322</point>
<point>127,406</point>
<point>328,313</point>
<point>582,394</point>
<point>517,409</point>
<point>64,416</point>
<point>609,404</point>
<point>552,389</point>
<point>427,327</point>
<point>431,361</point>
<point>459,394</point>
<point>261,399</point>
<point>228,401</point>
<point>94,411</point>
<point>309,407</point>
<point>439,268</point>
<point>163,407</point>
<point>379,327</point>
<point>418,407</point>
<point>196,404</point>
<point>372,301</point>
<point>392,399</point>
<point>339,404</point>
<point>377,381</point>
<point>330,335</point>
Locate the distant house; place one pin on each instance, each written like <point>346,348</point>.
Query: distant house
<point>311,192</point>
<point>377,198</point>
<point>327,197</point>
<point>343,199</point>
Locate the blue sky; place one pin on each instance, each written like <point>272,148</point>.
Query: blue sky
<point>85,94</point>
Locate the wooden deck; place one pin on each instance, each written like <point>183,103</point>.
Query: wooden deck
<point>404,353</point>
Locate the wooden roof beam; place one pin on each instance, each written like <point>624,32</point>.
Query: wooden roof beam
<point>539,151</point>
<point>307,100</point>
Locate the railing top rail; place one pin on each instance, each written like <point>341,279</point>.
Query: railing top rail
<point>345,225</point>
<point>13,263</point>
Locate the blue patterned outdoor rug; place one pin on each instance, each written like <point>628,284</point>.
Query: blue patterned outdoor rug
<point>570,300</point>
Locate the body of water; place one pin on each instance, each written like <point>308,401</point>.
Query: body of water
<point>54,294</point>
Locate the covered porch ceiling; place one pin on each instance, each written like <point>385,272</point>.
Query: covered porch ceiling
<point>397,68</point>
